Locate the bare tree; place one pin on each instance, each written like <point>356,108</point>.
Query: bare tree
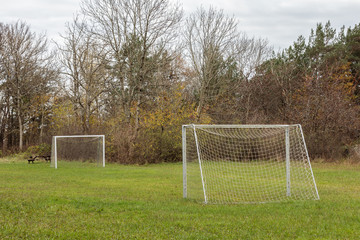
<point>140,37</point>
<point>210,38</point>
<point>250,54</point>
<point>24,61</point>
<point>83,61</point>
<point>139,34</point>
<point>223,61</point>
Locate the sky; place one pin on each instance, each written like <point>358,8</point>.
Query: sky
<point>281,22</point>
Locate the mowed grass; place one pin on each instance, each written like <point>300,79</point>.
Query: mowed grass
<point>82,201</point>
<point>250,182</point>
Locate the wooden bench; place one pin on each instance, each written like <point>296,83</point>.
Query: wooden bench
<point>47,158</point>
<point>31,159</point>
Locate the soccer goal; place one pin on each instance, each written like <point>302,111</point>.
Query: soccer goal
<point>246,164</point>
<point>84,148</point>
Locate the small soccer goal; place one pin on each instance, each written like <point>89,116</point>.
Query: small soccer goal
<point>81,148</point>
<point>246,164</point>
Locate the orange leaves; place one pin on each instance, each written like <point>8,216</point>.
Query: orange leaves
<point>344,81</point>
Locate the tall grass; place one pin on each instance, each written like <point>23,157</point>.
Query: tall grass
<point>82,201</point>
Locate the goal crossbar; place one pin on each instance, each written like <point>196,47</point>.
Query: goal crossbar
<point>239,126</point>
<point>79,136</point>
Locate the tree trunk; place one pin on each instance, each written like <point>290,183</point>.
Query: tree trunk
<point>87,119</point>
<point>136,129</point>
<point>201,104</point>
<point>41,137</point>
<point>21,134</point>
<point>5,136</point>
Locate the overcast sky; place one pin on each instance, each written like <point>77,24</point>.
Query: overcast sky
<point>279,21</point>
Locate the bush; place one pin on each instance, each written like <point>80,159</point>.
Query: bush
<point>159,137</point>
<point>42,149</point>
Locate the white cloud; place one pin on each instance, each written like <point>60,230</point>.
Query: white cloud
<point>43,16</point>
<point>280,21</point>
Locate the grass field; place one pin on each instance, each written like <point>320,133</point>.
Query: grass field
<point>80,201</point>
<point>250,182</point>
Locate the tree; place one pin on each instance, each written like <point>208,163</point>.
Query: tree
<point>312,83</point>
<point>137,33</point>
<point>210,40</point>
<point>327,110</point>
<point>352,43</point>
<point>222,60</point>
<point>160,140</point>
<point>26,70</point>
<point>139,36</point>
<point>84,67</point>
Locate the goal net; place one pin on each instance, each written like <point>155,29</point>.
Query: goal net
<point>246,164</point>
<point>81,148</point>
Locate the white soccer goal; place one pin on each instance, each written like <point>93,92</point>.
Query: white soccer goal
<point>246,164</point>
<point>89,148</point>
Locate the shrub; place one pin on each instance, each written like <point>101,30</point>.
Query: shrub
<point>42,149</point>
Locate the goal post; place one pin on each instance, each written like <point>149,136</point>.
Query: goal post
<point>246,164</point>
<point>78,147</point>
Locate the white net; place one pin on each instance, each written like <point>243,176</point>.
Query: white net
<point>81,148</point>
<point>246,164</point>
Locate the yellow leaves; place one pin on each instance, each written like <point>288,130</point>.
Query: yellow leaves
<point>338,79</point>
<point>160,136</point>
<point>170,110</point>
<point>344,81</point>
<point>63,116</point>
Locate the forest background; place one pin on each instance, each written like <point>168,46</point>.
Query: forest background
<point>137,70</point>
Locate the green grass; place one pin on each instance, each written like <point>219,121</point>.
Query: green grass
<point>81,201</point>
<point>250,182</point>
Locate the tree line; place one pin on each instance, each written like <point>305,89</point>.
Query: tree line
<point>137,70</point>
